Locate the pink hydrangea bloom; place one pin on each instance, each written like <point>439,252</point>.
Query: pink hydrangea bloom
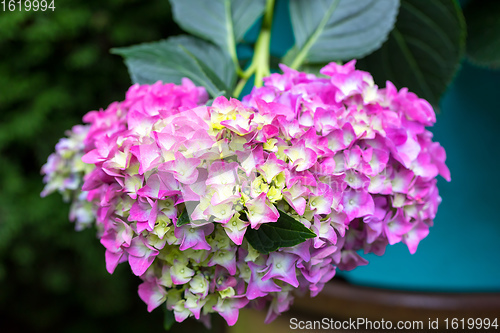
<point>175,185</point>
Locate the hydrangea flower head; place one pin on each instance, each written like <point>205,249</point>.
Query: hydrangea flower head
<point>176,187</point>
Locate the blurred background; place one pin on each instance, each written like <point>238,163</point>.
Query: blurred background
<point>56,66</point>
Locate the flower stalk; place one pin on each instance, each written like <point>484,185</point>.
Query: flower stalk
<point>259,66</point>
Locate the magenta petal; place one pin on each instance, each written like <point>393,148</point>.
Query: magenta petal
<point>374,228</point>
<point>351,260</point>
<point>235,230</point>
<point>149,156</point>
<point>402,180</point>
<point>357,204</point>
<point>222,173</point>
<point>439,157</point>
<point>256,286</point>
<point>140,265</point>
<point>229,309</point>
<point>260,210</point>
<point>194,237</point>
<point>250,159</point>
<point>140,211</point>
<point>154,185</point>
<point>183,169</point>
<point>413,237</point>
<point>282,267</point>
<point>226,259</point>
<point>112,260</point>
<point>93,157</point>
<point>152,294</point>
<point>333,68</point>
<point>302,250</point>
<point>144,211</point>
<point>396,227</point>
<point>141,255</point>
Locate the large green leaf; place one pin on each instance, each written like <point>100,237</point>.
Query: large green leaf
<point>285,232</point>
<point>328,30</point>
<point>483,32</point>
<point>223,22</point>
<point>182,56</point>
<point>212,56</point>
<point>423,51</point>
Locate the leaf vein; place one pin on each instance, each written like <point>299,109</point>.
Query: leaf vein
<point>411,61</point>
<point>426,19</point>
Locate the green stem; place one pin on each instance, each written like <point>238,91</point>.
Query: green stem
<point>268,16</point>
<point>248,72</point>
<point>239,87</point>
<point>261,57</point>
<point>260,60</point>
<point>262,54</point>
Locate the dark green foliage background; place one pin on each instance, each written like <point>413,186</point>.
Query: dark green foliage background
<point>55,67</point>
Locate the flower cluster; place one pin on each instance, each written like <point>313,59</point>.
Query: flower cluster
<point>177,187</point>
<point>64,172</point>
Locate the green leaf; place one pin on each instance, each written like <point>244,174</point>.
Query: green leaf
<point>285,232</point>
<point>423,51</point>
<point>483,32</point>
<point>328,30</point>
<point>183,218</point>
<point>172,59</point>
<point>211,56</point>
<point>223,22</point>
<point>168,319</point>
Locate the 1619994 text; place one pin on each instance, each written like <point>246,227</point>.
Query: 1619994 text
<point>27,5</point>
